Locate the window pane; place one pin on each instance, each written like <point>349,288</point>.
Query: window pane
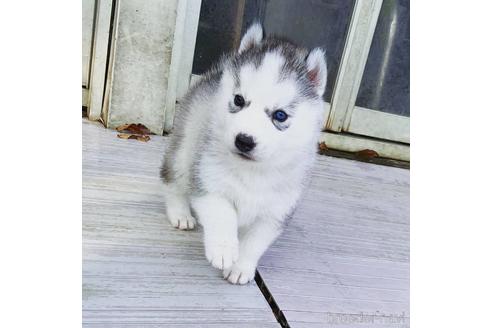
<point>310,23</point>
<point>386,81</point>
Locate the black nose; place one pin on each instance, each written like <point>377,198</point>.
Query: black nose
<point>244,142</point>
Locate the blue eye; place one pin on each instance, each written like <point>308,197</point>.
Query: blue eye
<point>280,115</point>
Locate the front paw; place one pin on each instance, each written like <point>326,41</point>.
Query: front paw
<point>240,273</point>
<point>182,220</point>
<point>221,254</point>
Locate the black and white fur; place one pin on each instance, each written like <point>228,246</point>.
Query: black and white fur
<point>241,188</point>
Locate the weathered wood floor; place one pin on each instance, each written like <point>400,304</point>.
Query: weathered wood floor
<point>344,258</point>
<point>342,261</point>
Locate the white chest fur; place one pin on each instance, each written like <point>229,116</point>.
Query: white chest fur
<point>256,193</point>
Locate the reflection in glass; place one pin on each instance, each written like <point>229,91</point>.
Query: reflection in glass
<point>310,23</point>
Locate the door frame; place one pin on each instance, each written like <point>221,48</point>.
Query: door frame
<point>88,17</point>
<point>93,92</point>
<point>183,51</point>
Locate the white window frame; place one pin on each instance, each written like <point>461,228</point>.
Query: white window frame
<point>93,91</point>
<point>354,58</point>
<point>346,125</point>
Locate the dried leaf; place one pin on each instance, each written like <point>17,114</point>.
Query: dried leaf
<point>122,127</point>
<point>323,146</point>
<point>133,136</point>
<point>143,138</point>
<point>134,129</point>
<point>124,135</point>
<point>366,154</point>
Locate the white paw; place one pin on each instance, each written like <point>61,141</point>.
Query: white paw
<point>183,222</point>
<point>221,254</point>
<point>240,273</point>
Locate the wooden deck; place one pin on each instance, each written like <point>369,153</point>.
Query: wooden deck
<point>342,261</point>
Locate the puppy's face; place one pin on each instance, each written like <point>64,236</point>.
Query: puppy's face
<point>270,104</point>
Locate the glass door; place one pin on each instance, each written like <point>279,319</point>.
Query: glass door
<point>375,93</point>
<point>310,23</point>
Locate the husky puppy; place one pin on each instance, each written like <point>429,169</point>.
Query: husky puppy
<point>244,139</point>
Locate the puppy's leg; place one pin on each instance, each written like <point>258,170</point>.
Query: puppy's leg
<point>219,220</point>
<point>178,207</point>
<point>252,244</point>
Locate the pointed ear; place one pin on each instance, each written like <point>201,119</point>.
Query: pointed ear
<point>317,71</point>
<point>253,37</point>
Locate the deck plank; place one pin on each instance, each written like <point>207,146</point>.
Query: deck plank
<point>138,271</point>
<point>343,259</point>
